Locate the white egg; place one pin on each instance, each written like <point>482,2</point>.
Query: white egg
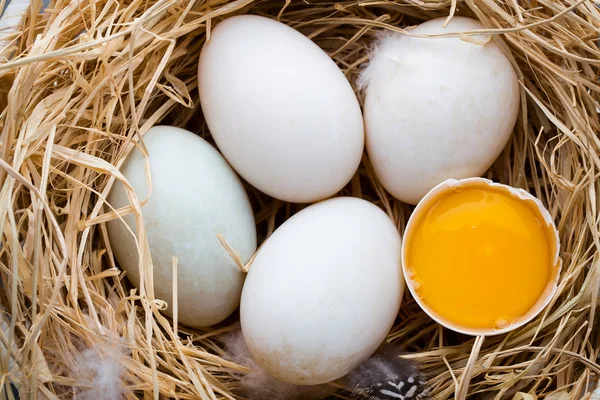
<point>280,110</point>
<point>323,291</point>
<point>437,108</point>
<point>195,196</point>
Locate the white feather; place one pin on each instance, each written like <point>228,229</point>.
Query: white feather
<point>382,59</point>
<point>258,384</point>
<point>99,370</point>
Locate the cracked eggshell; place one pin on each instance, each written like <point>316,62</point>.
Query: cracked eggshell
<point>280,110</point>
<point>437,108</point>
<point>323,291</point>
<point>195,196</point>
<point>451,185</point>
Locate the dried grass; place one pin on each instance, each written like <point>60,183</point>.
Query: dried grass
<point>87,79</point>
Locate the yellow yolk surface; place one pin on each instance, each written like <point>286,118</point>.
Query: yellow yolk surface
<point>479,258</point>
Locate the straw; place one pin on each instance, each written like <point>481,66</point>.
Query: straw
<point>86,80</point>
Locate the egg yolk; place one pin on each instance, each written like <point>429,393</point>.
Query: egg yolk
<point>480,258</point>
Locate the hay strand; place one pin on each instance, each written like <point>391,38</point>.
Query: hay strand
<point>86,80</point>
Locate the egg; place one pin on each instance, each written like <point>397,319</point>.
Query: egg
<point>480,257</point>
<point>323,291</point>
<point>437,108</point>
<point>279,109</point>
<point>195,196</point>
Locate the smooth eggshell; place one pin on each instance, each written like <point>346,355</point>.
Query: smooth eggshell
<point>323,291</point>
<point>280,110</point>
<point>195,196</point>
<point>437,108</point>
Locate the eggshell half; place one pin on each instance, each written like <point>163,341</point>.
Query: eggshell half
<point>451,185</point>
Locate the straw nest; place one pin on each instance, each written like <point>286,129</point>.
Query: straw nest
<point>83,81</point>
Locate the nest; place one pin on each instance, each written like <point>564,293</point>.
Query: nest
<point>81,82</point>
